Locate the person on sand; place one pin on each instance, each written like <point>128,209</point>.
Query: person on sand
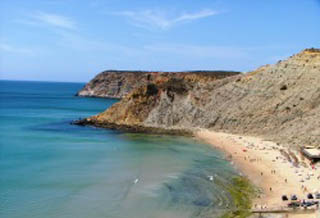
<point>272,171</point>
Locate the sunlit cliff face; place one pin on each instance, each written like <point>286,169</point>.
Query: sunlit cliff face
<point>279,101</point>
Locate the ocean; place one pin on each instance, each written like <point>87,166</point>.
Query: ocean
<point>50,168</point>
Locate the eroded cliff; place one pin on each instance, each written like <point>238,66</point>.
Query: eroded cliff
<point>279,102</point>
<point>117,84</point>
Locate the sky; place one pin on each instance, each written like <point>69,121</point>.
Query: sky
<point>73,40</point>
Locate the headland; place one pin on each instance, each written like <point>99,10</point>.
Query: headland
<point>261,119</point>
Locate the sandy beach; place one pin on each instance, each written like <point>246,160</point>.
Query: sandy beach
<point>267,166</point>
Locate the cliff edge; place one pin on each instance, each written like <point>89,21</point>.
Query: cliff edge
<point>117,84</point>
<point>278,102</point>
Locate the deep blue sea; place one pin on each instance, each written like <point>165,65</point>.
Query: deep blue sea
<point>49,168</point>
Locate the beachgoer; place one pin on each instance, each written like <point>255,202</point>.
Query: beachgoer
<point>305,189</point>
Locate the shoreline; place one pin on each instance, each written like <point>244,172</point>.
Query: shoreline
<point>93,122</point>
<point>264,164</point>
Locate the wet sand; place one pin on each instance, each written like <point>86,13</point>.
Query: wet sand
<point>267,167</point>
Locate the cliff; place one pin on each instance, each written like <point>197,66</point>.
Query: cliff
<point>279,102</point>
<point>117,84</point>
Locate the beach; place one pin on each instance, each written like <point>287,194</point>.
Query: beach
<point>266,165</point>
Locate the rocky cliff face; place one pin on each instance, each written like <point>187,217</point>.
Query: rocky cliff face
<point>117,84</point>
<point>279,102</point>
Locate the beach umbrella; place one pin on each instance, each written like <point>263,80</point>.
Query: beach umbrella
<point>284,198</point>
<point>310,196</point>
<point>294,197</point>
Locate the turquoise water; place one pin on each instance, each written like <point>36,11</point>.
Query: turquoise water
<point>49,168</point>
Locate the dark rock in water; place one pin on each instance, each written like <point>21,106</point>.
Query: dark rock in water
<point>80,122</point>
<point>132,129</point>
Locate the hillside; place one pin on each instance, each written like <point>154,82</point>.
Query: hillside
<point>117,84</point>
<point>278,102</point>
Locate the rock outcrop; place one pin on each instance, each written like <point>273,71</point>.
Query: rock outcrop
<point>117,84</point>
<point>280,102</point>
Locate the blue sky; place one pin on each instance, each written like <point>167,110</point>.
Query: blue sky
<point>73,40</point>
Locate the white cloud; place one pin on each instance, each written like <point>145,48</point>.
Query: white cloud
<point>49,19</point>
<point>152,19</point>
<point>4,47</point>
